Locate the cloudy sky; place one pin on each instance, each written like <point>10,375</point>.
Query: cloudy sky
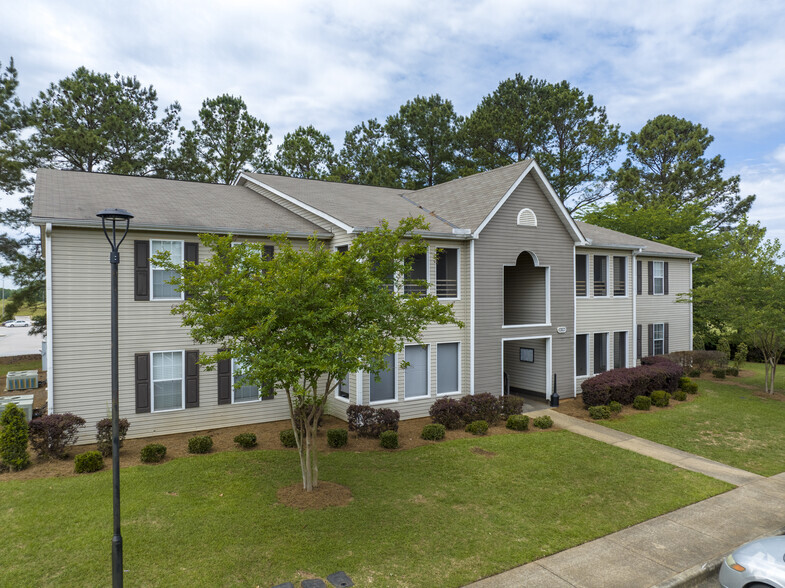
<point>333,64</point>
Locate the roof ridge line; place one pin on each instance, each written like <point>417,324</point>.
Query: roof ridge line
<point>444,220</point>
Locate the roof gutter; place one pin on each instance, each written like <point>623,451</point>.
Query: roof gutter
<point>456,235</point>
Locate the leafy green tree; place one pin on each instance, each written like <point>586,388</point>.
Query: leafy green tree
<point>424,136</point>
<point>14,436</point>
<point>366,157</point>
<point>96,122</point>
<point>12,147</point>
<point>304,320</point>
<point>306,153</point>
<point>224,141</point>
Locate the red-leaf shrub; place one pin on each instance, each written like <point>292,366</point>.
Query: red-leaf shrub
<point>104,435</point>
<point>482,407</point>
<point>448,412</point>
<point>511,405</point>
<point>624,384</point>
<point>371,422</point>
<point>51,434</point>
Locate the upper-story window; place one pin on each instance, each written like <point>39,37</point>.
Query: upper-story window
<point>619,276</point>
<point>417,271</point>
<point>159,277</point>
<point>447,273</point>
<point>600,275</point>
<point>658,277</point>
<point>581,275</point>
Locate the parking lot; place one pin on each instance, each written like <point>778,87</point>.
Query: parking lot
<point>16,341</point>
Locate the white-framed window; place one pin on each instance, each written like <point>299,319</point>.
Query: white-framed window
<point>448,368</point>
<point>447,273</point>
<point>581,355</point>
<point>242,392</point>
<point>620,349</point>
<point>343,389</point>
<point>159,277</point>
<point>658,277</point>
<point>417,271</point>
<point>600,275</point>
<point>659,338</point>
<point>600,352</point>
<point>168,380</point>
<point>619,276</point>
<point>384,389</point>
<point>415,377</point>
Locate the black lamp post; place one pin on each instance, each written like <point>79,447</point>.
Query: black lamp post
<point>115,215</point>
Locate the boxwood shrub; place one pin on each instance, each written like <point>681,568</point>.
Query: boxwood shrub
<point>448,412</point>
<point>694,373</point>
<point>337,438</point>
<point>245,440</point>
<point>389,439</point>
<point>477,427</point>
<point>718,373</point>
<point>90,461</point>
<point>104,434</point>
<point>200,444</point>
<point>153,453</point>
<point>518,422</point>
<point>641,403</point>
<point>371,422</point>
<point>732,371</point>
<point>660,398</point>
<point>600,412</point>
<point>543,422</point>
<point>614,406</point>
<point>287,438</point>
<point>433,432</point>
<point>680,395</point>
<point>624,384</point>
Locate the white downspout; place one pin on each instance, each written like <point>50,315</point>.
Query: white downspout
<point>634,294</point>
<point>471,319</point>
<point>49,334</point>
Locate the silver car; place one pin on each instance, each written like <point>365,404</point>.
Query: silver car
<point>17,323</point>
<point>758,564</point>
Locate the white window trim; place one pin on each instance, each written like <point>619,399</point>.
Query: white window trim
<point>457,273</point>
<point>153,268</point>
<point>607,352</point>
<point>182,381</point>
<point>661,265</point>
<point>607,274</point>
<point>428,392</point>
<point>395,385</point>
<point>627,348</point>
<point>654,338</point>
<point>341,398</point>
<point>588,358</point>
<point>258,399</point>
<point>460,373</point>
<point>626,275</point>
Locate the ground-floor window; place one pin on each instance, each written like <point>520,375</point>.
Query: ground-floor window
<point>415,380</point>
<point>168,378</point>
<point>581,355</point>
<point>600,352</point>
<point>242,391</point>
<point>620,349</point>
<point>343,389</point>
<point>659,339</point>
<point>447,368</point>
<point>383,383</point>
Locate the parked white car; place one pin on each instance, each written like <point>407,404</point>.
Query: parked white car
<point>17,323</point>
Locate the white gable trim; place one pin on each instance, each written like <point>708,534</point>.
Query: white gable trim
<point>299,203</point>
<point>555,201</point>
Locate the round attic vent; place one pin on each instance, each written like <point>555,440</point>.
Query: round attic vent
<point>527,218</point>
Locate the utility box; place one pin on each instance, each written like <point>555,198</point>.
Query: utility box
<point>25,402</point>
<point>21,380</point>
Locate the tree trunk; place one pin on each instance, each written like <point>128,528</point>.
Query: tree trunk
<point>773,373</point>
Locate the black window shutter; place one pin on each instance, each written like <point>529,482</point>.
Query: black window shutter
<point>640,276</point>
<point>142,377</point>
<point>141,270</point>
<point>651,277</point>
<point>269,251</point>
<point>191,253</point>
<point>651,339</point>
<point>639,337</point>
<point>665,343</point>
<point>665,278</point>
<point>224,380</point>
<point>191,379</point>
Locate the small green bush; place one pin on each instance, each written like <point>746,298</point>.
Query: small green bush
<point>245,440</point>
<point>688,386</point>
<point>477,427</point>
<point>14,436</point>
<point>389,439</point>
<point>433,432</point>
<point>90,461</point>
<point>287,438</point>
<point>600,412</point>
<point>718,373</point>
<point>660,398</point>
<point>732,371</point>
<point>337,438</point>
<point>518,422</point>
<point>200,444</point>
<point>614,406</point>
<point>694,373</point>
<point>153,453</point>
<point>680,395</point>
<point>543,422</point>
<point>641,403</point>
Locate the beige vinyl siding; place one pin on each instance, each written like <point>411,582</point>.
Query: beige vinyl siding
<point>500,244</point>
<point>666,308</point>
<point>80,307</point>
<point>523,375</point>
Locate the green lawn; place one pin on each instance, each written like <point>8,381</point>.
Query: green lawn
<point>435,515</point>
<point>727,423</point>
<point>30,364</point>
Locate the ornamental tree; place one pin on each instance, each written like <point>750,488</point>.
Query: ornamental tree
<point>301,321</point>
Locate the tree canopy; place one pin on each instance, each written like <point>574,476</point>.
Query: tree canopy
<point>366,157</point>
<point>12,147</point>
<point>306,153</point>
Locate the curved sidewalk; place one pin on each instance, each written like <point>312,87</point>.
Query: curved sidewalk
<point>675,549</point>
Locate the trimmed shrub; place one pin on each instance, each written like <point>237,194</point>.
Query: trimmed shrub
<point>371,422</point>
<point>200,444</point>
<point>14,436</point>
<point>448,412</point>
<point>433,432</point>
<point>337,438</point>
<point>245,440</point>
<point>624,384</point>
<point>518,422</point>
<point>153,453</point>
<point>287,438</point>
<point>688,386</point>
<point>680,395</point>
<point>641,403</point>
<point>482,407</point>
<point>694,373</point>
<point>389,439</point>
<point>660,398</point>
<point>511,405</point>
<point>477,427</point>
<point>88,462</point>
<point>699,359</point>
<point>52,434</point>
<point>104,434</point>
<point>600,412</point>
<point>614,406</point>
<point>732,371</point>
<point>718,373</point>
<point>543,422</point>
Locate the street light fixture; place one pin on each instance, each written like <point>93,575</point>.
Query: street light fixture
<point>114,215</point>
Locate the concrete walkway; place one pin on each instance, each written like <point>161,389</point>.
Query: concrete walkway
<point>676,549</point>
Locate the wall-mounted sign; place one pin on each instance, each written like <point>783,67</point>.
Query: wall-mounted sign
<point>527,354</point>
<point>561,330</point>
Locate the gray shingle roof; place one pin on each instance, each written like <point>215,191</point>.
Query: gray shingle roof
<point>76,197</point>
<point>609,238</point>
